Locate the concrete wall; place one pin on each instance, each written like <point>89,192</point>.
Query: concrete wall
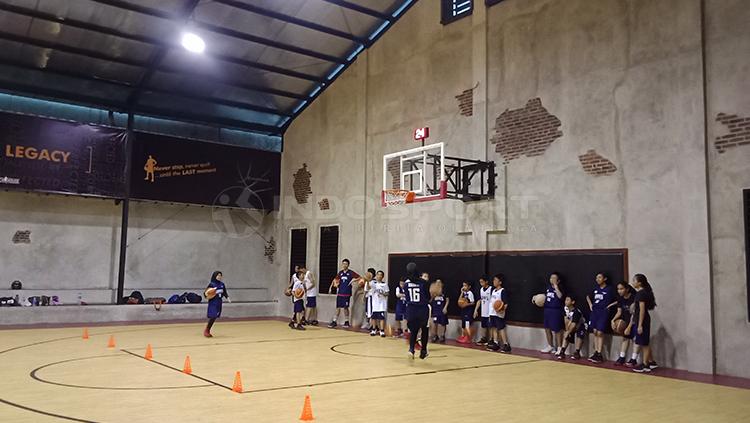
<point>728,67</point>
<point>74,249</point>
<point>624,78</point>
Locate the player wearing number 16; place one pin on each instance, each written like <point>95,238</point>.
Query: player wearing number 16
<point>417,312</point>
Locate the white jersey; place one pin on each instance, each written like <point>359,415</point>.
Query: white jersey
<point>379,296</point>
<point>310,288</point>
<point>369,288</point>
<point>497,294</point>
<point>297,284</point>
<point>485,295</point>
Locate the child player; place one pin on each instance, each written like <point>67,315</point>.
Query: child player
<point>626,297</point>
<point>499,336</point>
<point>298,299</point>
<point>345,278</point>
<point>602,298</point>
<point>439,307</point>
<point>482,309</point>
<point>466,313</point>
<point>379,300</point>
<point>311,293</point>
<point>418,308</point>
<point>400,307</point>
<point>575,329</point>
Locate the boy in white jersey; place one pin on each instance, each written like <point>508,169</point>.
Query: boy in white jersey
<point>298,299</point>
<point>311,290</point>
<point>379,300</point>
<point>499,339</point>
<point>482,309</point>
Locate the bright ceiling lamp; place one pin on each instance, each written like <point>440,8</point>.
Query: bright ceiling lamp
<point>193,43</point>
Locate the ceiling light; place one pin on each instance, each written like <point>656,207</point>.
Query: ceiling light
<point>193,43</point>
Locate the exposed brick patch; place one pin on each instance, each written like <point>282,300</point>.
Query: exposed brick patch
<point>596,165</point>
<point>22,237</point>
<point>527,131</point>
<point>270,250</point>
<point>324,204</point>
<point>393,168</point>
<point>739,132</point>
<point>466,102</point>
<point>301,185</point>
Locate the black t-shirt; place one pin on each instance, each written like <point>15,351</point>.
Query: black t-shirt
<point>640,296</point>
<point>624,305</point>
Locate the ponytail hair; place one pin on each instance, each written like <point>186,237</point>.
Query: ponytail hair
<point>627,286</point>
<point>650,298</point>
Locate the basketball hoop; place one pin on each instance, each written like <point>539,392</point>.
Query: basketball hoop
<point>397,197</point>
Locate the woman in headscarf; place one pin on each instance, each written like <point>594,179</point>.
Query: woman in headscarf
<point>215,291</point>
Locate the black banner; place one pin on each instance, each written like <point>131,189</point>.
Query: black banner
<point>186,171</point>
<point>54,156</point>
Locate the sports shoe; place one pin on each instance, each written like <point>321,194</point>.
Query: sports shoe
<point>314,323</point>
<point>332,324</point>
<point>411,354</point>
<point>207,334</point>
<point>547,350</point>
<point>382,334</point>
<point>291,324</point>
<point>434,339</point>
<point>346,325</point>
<point>641,369</point>
<point>596,358</point>
<point>652,365</point>
<point>417,346</point>
<point>505,349</point>
<point>463,340</point>
<point>560,356</point>
<point>493,347</point>
<point>373,332</point>
<point>399,333</point>
<point>631,363</point>
<point>620,361</point>
<point>423,354</point>
<point>482,341</point>
<point>300,327</point>
<point>490,344</point>
<point>576,356</point>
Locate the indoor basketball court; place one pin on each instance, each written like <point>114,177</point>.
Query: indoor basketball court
<point>374,210</point>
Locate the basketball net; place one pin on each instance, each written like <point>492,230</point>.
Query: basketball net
<point>397,197</point>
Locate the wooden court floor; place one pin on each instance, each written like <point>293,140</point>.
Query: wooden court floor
<point>51,375</point>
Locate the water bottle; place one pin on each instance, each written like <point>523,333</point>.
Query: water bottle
<point>80,299</point>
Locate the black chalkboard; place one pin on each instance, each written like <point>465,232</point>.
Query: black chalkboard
<point>526,273</point>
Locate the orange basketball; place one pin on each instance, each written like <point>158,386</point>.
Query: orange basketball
<point>288,292</point>
<point>361,283</point>
<point>619,326</point>
<point>210,293</point>
<point>539,300</point>
<point>498,305</point>
<point>336,282</point>
<point>435,289</point>
<point>463,302</point>
<point>298,293</point>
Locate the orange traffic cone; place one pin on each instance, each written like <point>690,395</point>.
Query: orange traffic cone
<point>149,353</point>
<point>186,368</point>
<point>237,387</point>
<point>111,343</point>
<point>307,415</point>
<point>85,333</point>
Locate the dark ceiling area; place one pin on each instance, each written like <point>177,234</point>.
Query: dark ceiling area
<point>264,62</point>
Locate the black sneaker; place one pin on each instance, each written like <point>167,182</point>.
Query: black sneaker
<point>434,339</point>
<point>382,334</point>
<point>596,358</point>
<point>291,325</point>
<point>652,365</point>
<point>300,327</point>
<point>346,325</point>
<point>505,349</point>
<point>332,324</point>
<point>490,344</point>
<point>641,369</point>
<point>493,347</point>
<point>592,357</point>
<point>373,333</point>
<point>423,354</point>
<point>482,341</point>
<point>620,361</point>
<point>631,363</point>
<point>576,356</point>
<point>560,356</point>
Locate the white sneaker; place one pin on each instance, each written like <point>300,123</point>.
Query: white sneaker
<point>546,350</point>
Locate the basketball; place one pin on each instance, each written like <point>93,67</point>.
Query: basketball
<point>539,300</point>
<point>336,282</point>
<point>361,283</point>
<point>462,302</point>
<point>435,289</point>
<point>498,305</point>
<point>619,326</point>
<point>298,293</point>
<point>288,292</point>
<point>210,293</point>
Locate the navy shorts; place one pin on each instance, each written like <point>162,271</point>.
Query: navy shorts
<point>299,306</point>
<point>467,317</point>
<point>497,322</point>
<point>378,315</point>
<point>440,320</point>
<point>400,311</point>
<point>644,338</point>
<point>599,319</point>
<point>312,302</point>
<point>342,301</point>
<point>553,319</point>
<point>485,322</point>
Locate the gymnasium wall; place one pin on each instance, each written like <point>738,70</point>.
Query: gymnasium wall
<point>74,247</point>
<point>611,154</point>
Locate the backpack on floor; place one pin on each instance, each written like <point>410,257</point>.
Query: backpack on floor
<point>193,298</point>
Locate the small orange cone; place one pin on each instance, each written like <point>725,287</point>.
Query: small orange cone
<point>307,415</point>
<point>111,343</point>
<point>149,353</point>
<point>186,368</point>
<point>85,333</point>
<point>237,387</point>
